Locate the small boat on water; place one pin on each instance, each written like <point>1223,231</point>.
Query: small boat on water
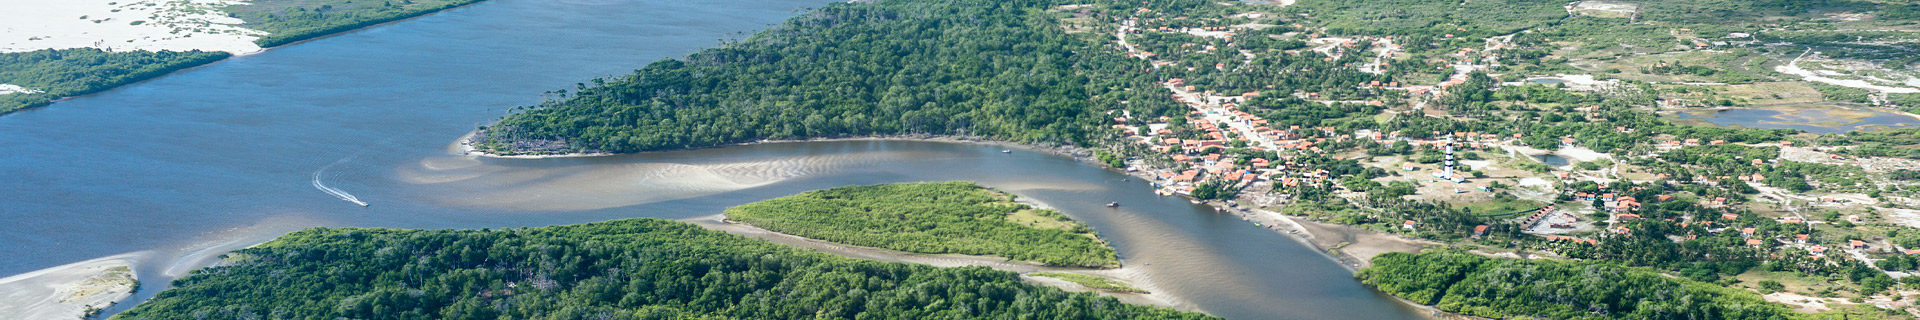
<point>1006,150</point>
<point>1113,204</point>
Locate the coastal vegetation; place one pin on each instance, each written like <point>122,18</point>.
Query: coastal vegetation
<point>288,21</point>
<point>997,69</point>
<point>1094,282</point>
<point>935,218</point>
<point>71,72</point>
<point>1478,286</point>
<point>623,269</point>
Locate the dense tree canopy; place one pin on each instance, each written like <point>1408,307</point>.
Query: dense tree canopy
<point>1516,288</point>
<point>998,69</point>
<point>72,72</point>
<point>625,269</point>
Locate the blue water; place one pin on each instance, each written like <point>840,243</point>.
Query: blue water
<point>1552,160</point>
<point>1810,120</point>
<point>186,166</point>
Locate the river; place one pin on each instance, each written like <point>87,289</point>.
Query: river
<point>179,169</point>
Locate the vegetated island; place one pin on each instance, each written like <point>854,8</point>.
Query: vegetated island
<point>623,269</point>
<point>954,217</point>
<point>32,79</point>
<point>1091,281</point>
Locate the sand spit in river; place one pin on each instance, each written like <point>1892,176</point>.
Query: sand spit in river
<point>69,291</point>
<point>1131,275</point>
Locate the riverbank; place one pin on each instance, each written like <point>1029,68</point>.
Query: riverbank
<point>1130,274</point>
<point>1351,247</point>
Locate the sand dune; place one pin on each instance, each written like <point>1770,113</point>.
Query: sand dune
<point>123,25</point>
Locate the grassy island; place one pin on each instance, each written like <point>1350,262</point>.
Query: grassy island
<point>1548,289</point>
<point>1091,281</point>
<point>624,269</point>
<point>932,217</point>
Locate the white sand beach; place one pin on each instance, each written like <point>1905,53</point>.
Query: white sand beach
<point>68,291</point>
<point>123,25</point>
<point>12,89</point>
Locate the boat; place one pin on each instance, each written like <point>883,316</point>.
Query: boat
<point>1006,150</point>
<point>1113,204</point>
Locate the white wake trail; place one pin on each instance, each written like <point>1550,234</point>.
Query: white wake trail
<point>337,193</point>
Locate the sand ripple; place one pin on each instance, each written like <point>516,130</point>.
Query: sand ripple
<point>615,181</point>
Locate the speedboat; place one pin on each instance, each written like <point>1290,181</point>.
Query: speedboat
<point>1113,204</point>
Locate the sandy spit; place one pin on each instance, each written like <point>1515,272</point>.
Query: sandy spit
<point>68,291</point>
<point>1132,275</point>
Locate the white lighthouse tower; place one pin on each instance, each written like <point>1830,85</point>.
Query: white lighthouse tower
<point>1449,149</point>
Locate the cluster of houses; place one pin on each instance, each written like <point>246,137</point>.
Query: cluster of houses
<point>1622,205</point>
<point>1206,161</point>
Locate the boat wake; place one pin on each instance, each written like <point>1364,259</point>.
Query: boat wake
<point>337,193</point>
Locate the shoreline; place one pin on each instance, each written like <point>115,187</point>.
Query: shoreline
<point>1131,275</point>
<point>464,146</point>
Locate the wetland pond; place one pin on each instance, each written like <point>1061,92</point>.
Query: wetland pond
<point>1809,120</point>
<point>1552,160</point>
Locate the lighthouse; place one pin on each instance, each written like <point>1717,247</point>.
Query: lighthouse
<point>1449,148</point>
